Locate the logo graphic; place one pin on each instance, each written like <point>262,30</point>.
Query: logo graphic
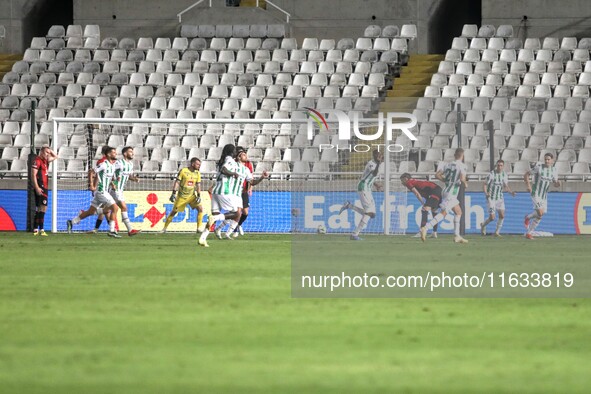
<point>393,121</point>
<point>316,116</point>
<point>583,214</point>
<point>153,215</point>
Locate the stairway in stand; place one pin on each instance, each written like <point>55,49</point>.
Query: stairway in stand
<point>253,3</point>
<point>6,62</point>
<point>411,84</point>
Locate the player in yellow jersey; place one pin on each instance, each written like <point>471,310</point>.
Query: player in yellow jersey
<point>188,184</point>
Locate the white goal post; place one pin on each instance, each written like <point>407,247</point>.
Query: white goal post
<point>305,169</point>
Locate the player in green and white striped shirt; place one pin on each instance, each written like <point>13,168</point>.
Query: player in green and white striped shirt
<point>373,169</point>
<point>102,201</point>
<point>123,173</point>
<point>222,197</point>
<point>453,175</point>
<point>496,183</point>
<point>236,190</point>
<point>543,175</point>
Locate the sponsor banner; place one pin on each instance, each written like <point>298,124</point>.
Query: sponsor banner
<point>282,212</point>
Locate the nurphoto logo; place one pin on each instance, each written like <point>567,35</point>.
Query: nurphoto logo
<point>343,121</point>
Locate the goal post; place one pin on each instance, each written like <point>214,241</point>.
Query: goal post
<point>299,167</point>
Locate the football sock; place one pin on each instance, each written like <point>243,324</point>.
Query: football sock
<point>76,220</point>
<point>533,224</point>
<point>126,221</point>
<point>233,226</point>
<point>242,219</point>
<point>219,216</point>
<point>357,209</point>
<point>98,223</point>
<point>36,221</point>
<point>499,225</point>
<point>487,221</point>
<point>438,218</point>
<point>168,220</point>
<point>457,219</point>
<point>200,218</point>
<point>361,226</point>
<point>204,234</point>
<point>112,226</point>
<point>424,218</point>
<point>40,219</point>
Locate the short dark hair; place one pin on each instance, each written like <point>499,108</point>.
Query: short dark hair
<point>125,149</point>
<point>405,175</point>
<point>500,161</point>
<point>548,154</point>
<point>194,159</point>
<point>105,149</point>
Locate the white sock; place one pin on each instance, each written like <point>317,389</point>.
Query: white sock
<point>76,220</point>
<point>499,225</point>
<point>204,235</point>
<point>361,226</point>
<point>438,218</point>
<point>126,221</point>
<point>533,224</point>
<point>357,209</point>
<point>233,225</point>
<point>112,226</point>
<point>457,219</point>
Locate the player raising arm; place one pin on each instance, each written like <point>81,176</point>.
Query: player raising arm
<point>100,182</point>
<point>123,173</point>
<point>40,184</point>
<point>453,175</point>
<point>496,183</point>
<point>543,175</point>
<point>188,185</point>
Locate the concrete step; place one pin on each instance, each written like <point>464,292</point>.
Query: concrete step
<point>419,70</point>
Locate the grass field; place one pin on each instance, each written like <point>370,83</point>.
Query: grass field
<point>155,314</point>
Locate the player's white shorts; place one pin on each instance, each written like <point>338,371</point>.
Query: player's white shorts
<point>449,201</point>
<point>540,203</point>
<point>117,196</point>
<point>495,205</point>
<point>224,202</point>
<point>103,199</point>
<point>367,202</point>
<point>238,201</point>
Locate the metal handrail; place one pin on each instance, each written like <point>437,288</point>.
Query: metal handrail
<point>287,14</point>
<point>179,15</point>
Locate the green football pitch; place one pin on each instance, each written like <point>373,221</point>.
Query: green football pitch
<point>156,314</point>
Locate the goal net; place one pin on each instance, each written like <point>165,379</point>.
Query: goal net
<point>302,171</point>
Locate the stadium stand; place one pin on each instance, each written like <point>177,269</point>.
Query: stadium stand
<point>207,72</point>
<point>536,93</point>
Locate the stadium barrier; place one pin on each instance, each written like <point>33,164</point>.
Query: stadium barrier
<point>569,212</point>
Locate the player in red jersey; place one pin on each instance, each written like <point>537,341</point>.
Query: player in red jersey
<point>41,185</point>
<point>428,193</point>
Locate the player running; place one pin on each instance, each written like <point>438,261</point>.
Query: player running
<point>366,183</point>
<point>543,176</point>
<point>237,188</point>
<point>123,173</point>
<point>41,185</point>
<point>453,175</point>
<point>496,183</point>
<point>222,198</point>
<point>428,193</point>
<point>100,181</point>
<point>188,184</point>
